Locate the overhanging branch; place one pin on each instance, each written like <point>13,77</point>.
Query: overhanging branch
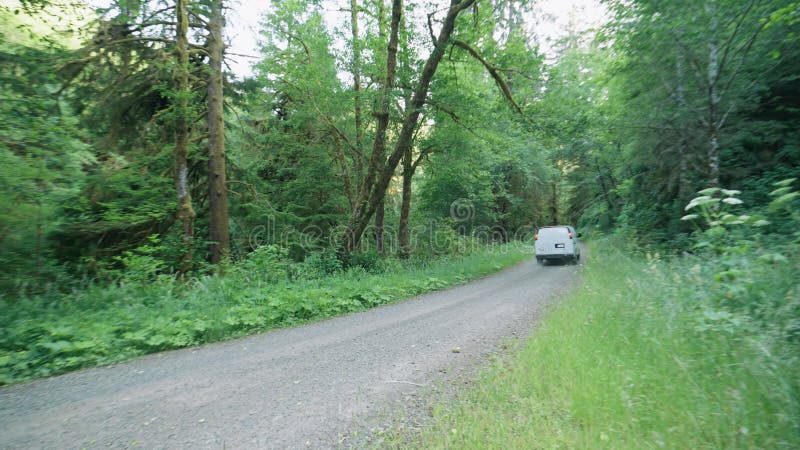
<point>493,71</point>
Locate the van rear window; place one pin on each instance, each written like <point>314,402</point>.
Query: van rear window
<point>554,232</point>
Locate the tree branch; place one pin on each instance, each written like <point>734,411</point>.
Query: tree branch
<point>729,41</point>
<point>493,71</point>
<point>430,28</point>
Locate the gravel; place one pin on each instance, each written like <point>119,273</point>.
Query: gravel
<point>343,382</point>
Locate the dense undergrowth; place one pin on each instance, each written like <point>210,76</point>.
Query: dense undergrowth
<point>43,336</point>
<point>689,351</point>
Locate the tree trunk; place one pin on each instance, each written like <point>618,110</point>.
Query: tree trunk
<point>380,214</point>
<point>358,223</point>
<point>713,157</point>
<point>403,235</point>
<point>606,193</point>
<point>356,71</point>
<point>683,146</point>
<point>379,229</point>
<point>382,110</point>
<point>185,213</point>
<point>554,205</point>
<point>375,184</point>
<point>219,234</point>
<point>683,172</point>
<point>713,113</point>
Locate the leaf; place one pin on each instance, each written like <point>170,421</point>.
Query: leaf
<point>732,201</point>
<point>783,200</point>
<point>730,219</point>
<point>781,191</point>
<point>701,201</point>
<point>786,182</point>
<point>708,191</point>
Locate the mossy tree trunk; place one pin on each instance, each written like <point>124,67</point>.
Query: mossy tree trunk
<point>219,233</point>
<point>185,213</point>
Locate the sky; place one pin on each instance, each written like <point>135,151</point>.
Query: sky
<point>243,19</point>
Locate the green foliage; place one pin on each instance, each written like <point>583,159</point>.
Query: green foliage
<point>497,166</point>
<point>85,172</point>
<point>320,264</point>
<point>42,155</point>
<point>748,259</point>
<point>368,260</point>
<point>641,356</point>
<point>268,263</point>
<point>631,115</point>
<point>141,265</point>
<point>43,336</point>
<point>121,207</point>
<point>283,151</point>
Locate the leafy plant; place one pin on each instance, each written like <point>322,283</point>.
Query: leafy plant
<point>628,361</point>
<point>103,324</point>
<point>270,263</point>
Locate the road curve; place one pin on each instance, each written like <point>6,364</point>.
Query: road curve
<point>291,388</point>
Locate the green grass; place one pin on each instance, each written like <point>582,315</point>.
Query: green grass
<point>40,337</point>
<point>636,359</point>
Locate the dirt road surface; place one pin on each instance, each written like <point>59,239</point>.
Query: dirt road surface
<point>313,386</point>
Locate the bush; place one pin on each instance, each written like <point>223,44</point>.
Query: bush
<point>368,260</point>
<point>268,263</point>
<point>320,264</point>
<point>752,282</point>
<point>101,324</point>
<point>639,356</point>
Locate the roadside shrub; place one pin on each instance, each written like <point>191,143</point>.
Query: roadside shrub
<point>140,265</point>
<point>268,263</point>
<point>319,264</point>
<point>368,260</point>
<point>752,281</point>
<point>104,323</point>
<point>639,355</point>
<point>438,238</point>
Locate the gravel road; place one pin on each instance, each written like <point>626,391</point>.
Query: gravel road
<point>311,386</point>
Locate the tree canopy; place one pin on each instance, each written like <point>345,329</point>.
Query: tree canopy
<point>125,141</point>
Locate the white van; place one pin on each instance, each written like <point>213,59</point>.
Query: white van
<point>558,242</point>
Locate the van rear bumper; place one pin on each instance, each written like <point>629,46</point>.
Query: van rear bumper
<point>558,256</point>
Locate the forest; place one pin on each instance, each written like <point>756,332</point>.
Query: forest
<point>152,199</point>
<point>126,146</point>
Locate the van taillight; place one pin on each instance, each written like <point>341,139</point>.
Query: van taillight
<point>536,237</point>
<point>569,235</point>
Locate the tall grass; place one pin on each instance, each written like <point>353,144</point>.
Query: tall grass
<point>636,358</point>
<point>41,336</point>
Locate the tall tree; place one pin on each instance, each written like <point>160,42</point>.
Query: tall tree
<point>185,213</point>
<point>219,233</point>
<point>702,56</point>
<point>378,175</point>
